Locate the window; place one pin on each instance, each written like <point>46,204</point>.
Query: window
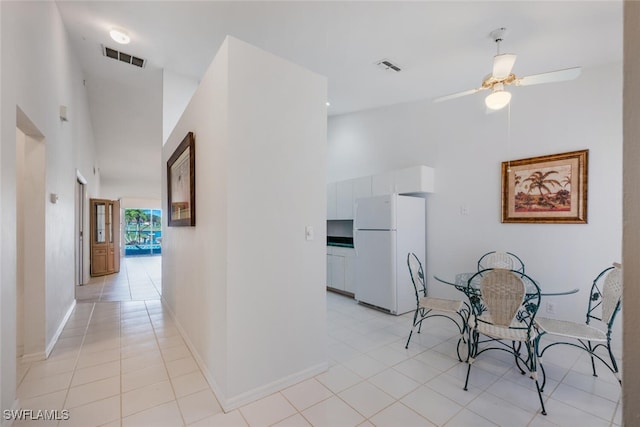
<point>143,232</point>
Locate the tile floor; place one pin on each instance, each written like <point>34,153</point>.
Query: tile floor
<point>120,361</point>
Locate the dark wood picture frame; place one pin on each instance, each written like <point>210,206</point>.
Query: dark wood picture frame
<point>181,184</point>
<point>546,189</point>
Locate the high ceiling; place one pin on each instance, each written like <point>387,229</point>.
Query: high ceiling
<point>442,47</point>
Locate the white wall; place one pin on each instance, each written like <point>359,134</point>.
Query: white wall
<point>177,90</point>
<point>245,286</point>
<point>466,148</point>
<point>631,270</point>
<point>137,202</point>
<point>38,75</point>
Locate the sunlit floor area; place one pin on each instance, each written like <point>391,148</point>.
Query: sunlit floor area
<point>124,363</point>
<point>139,279</point>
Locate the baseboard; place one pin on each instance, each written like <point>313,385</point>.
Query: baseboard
<point>242,399</point>
<point>61,326</point>
<point>34,357</point>
<point>15,407</point>
<point>230,403</point>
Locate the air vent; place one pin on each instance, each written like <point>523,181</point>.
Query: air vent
<point>387,65</point>
<point>123,57</point>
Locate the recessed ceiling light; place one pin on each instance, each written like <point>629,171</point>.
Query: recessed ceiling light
<point>120,36</point>
<point>328,104</point>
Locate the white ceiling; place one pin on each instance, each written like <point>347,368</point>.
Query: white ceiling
<point>442,47</point>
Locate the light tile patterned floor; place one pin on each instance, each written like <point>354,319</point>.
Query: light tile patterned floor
<point>121,361</point>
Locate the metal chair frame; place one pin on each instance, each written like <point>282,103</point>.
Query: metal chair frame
<point>486,261</point>
<point>428,307</point>
<point>596,300</point>
<point>513,328</point>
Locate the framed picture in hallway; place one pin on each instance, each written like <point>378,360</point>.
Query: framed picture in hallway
<point>546,189</point>
<point>181,183</point>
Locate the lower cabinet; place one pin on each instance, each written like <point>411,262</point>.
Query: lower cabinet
<point>341,269</point>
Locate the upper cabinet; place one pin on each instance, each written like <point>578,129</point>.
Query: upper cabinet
<point>341,196</point>
<point>332,202</point>
<point>344,199</point>
<point>416,181</point>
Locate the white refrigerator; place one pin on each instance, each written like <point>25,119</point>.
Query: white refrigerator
<point>386,229</point>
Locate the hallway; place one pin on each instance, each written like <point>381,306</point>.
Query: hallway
<point>121,361</point>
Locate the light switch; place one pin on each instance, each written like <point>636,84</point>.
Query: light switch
<point>308,232</point>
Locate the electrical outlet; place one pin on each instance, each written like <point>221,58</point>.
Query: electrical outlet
<point>551,307</point>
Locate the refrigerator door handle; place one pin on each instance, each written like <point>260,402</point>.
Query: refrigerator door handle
<point>354,227</point>
<point>355,241</point>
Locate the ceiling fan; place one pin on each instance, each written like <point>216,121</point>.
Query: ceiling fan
<point>502,77</point>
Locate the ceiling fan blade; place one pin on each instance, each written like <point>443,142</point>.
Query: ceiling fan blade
<point>502,65</point>
<point>458,95</point>
<point>550,77</point>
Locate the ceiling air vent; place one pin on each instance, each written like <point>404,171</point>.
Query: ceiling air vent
<point>387,65</point>
<point>124,57</point>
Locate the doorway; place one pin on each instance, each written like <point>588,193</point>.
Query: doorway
<point>30,239</point>
<point>81,196</point>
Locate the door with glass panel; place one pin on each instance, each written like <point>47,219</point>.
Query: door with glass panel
<point>105,237</point>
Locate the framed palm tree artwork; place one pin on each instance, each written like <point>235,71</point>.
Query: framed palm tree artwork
<point>546,189</point>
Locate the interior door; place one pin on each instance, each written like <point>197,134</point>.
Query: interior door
<point>99,237</point>
<point>105,236</point>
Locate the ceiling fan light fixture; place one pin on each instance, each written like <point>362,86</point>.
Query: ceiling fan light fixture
<point>120,36</point>
<point>498,99</point>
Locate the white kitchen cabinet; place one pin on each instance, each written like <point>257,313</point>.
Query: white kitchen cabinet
<point>413,180</point>
<point>342,195</point>
<point>344,199</point>
<point>341,269</point>
<point>350,274</point>
<point>416,179</point>
<point>337,267</point>
<point>332,205</point>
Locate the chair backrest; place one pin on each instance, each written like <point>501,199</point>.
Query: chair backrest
<point>498,259</point>
<point>417,275</point>
<point>502,293</point>
<point>606,292</point>
<point>507,298</point>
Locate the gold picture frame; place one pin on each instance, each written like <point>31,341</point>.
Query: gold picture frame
<point>546,189</point>
<point>181,184</point>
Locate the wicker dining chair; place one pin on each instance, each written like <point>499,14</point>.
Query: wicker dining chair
<point>503,315</point>
<point>605,301</point>
<point>499,259</point>
<point>428,307</point>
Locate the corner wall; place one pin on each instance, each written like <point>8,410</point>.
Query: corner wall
<point>245,287</point>
<point>39,73</point>
<point>466,147</point>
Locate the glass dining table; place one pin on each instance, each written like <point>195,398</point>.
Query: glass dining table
<point>461,282</point>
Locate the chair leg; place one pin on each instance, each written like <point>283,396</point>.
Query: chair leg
<point>532,354</point>
<point>410,333</point>
<point>544,411</point>
<point>516,353</point>
<point>614,364</point>
<point>593,362</point>
<point>473,347</point>
<point>413,326</point>
<point>466,381</point>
